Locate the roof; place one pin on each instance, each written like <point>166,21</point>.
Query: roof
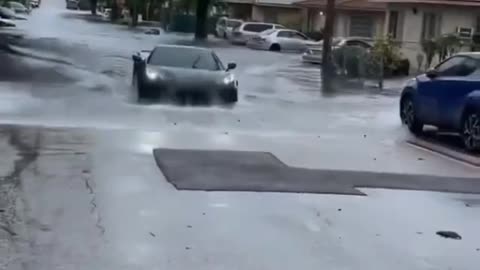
<point>467,3</point>
<point>361,5</point>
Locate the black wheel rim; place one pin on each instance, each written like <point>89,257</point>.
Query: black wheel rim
<point>408,113</point>
<point>471,131</point>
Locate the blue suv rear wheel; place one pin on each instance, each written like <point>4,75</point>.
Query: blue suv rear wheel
<point>471,131</point>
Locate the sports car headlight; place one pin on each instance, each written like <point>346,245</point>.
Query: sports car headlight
<point>229,79</point>
<point>152,74</point>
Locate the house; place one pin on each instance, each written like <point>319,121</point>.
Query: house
<point>411,21</point>
<point>353,17</point>
<point>274,11</point>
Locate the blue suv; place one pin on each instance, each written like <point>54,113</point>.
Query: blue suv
<point>447,97</point>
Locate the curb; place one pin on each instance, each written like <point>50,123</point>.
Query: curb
<point>453,153</point>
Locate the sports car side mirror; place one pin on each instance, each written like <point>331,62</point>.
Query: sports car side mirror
<point>231,66</point>
<point>136,58</point>
<point>431,73</point>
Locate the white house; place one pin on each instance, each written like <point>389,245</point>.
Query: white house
<point>411,21</point>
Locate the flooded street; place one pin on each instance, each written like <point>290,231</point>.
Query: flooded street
<point>81,189</point>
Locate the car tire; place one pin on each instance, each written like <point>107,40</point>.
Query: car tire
<point>408,115</point>
<point>275,47</point>
<point>471,131</point>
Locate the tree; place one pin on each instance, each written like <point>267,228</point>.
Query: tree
<point>115,12</point>
<point>201,23</point>
<point>327,63</point>
<point>93,7</point>
<point>429,47</point>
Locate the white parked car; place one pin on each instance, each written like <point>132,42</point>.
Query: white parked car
<point>224,27</point>
<point>314,53</point>
<point>6,23</point>
<point>281,40</point>
<point>17,7</point>
<point>34,3</point>
<point>248,30</point>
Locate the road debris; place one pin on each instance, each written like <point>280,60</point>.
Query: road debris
<point>152,234</point>
<point>449,234</point>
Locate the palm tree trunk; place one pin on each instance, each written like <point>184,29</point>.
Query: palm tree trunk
<point>201,23</point>
<point>327,64</point>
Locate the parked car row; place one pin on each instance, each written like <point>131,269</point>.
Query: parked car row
<point>12,11</point>
<point>262,36</point>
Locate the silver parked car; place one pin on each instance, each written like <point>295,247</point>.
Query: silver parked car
<point>248,30</point>
<point>314,53</point>
<point>17,7</point>
<point>224,27</point>
<point>281,40</point>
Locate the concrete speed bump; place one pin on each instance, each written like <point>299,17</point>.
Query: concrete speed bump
<point>214,170</point>
<point>452,152</point>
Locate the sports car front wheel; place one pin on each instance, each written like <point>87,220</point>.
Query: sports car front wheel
<point>471,131</point>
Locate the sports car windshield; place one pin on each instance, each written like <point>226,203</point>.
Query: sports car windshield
<point>184,57</point>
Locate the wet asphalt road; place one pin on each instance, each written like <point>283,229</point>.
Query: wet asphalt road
<point>80,189</point>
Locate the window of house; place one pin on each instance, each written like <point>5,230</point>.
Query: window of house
<point>270,15</point>
<point>362,26</point>
<point>393,24</point>
<point>477,25</point>
<point>430,25</point>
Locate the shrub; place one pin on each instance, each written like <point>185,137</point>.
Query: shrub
<point>350,61</point>
<point>385,59</point>
<point>447,45</point>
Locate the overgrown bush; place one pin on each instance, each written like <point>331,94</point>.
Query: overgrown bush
<point>386,60</point>
<point>447,45</point>
<point>350,61</point>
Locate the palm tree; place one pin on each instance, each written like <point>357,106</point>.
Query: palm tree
<point>327,65</point>
<point>201,23</point>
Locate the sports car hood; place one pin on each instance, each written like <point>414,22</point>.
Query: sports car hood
<point>191,78</point>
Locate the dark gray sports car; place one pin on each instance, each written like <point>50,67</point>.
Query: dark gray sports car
<point>183,73</point>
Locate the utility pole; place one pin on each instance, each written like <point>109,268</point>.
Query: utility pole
<point>327,64</point>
